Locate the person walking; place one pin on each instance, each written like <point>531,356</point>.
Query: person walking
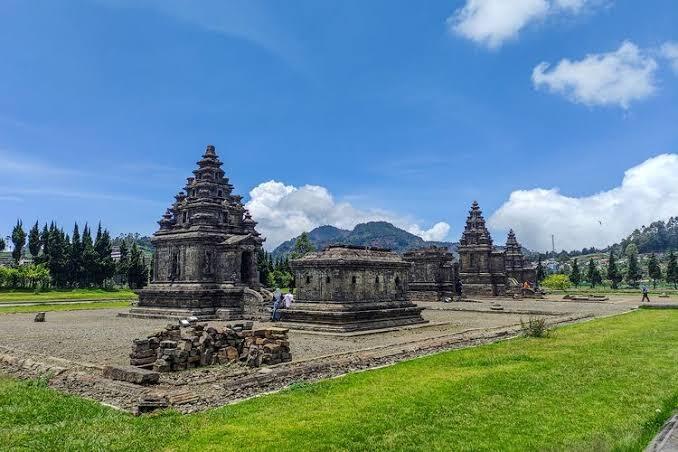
<point>459,289</point>
<point>646,296</point>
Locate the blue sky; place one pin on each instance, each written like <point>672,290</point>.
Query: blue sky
<point>393,109</point>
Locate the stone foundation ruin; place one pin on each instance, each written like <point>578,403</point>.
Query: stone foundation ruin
<point>176,348</point>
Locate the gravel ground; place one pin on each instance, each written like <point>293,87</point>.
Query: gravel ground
<point>100,337</point>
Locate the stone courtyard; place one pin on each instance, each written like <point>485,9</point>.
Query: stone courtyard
<point>75,346</point>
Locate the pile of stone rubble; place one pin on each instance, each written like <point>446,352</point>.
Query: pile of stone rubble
<point>180,347</point>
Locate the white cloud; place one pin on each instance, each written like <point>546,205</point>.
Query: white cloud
<point>614,78</point>
<point>284,211</point>
<point>492,22</point>
<point>648,192</point>
<point>670,51</point>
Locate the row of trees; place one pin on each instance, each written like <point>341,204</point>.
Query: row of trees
<point>78,260</point>
<point>276,272</point>
<point>633,275</point>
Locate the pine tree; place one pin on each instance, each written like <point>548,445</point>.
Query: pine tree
<point>89,261</point>
<point>2,244</point>
<point>75,261</point>
<point>672,271</point>
<point>575,275</point>
<point>654,270</point>
<point>541,273</point>
<point>19,240</point>
<point>44,236</point>
<point>613,273</point>
<point>104,266</point>
<point>34,241</point>
<point>633,273</point>
<point>302,246</point>
<point>123,264</point>
<point>137,275</point>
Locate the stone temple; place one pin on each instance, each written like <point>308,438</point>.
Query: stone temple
<point>205,251</point>
<point>485,270</point>
<point>348,288</point>
<point>431,276</point>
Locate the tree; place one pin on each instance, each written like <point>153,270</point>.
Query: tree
<point>593,274</point>
<point>575,274</point>
<point>19,240</point>
<point>557,281</point>
<point>631,250</point>
<point>672,271</point>
<point>654,270</point>
<point>104,264</point>
<point>34,241</point>
<point>613,273</point>
<point>541,274</point>
<point>75,259</point>
<point>122,267</point>
<point>89,257</point>
<point>137,275</point>
<point>633,273</point>
<point>2,245</point>
<point>302,246</point>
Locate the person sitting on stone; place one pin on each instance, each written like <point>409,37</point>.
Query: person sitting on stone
<point>288,299</point>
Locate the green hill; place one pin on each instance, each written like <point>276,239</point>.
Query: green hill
<point>375,233</point>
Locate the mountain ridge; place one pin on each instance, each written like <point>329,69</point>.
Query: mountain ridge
<point>380,234</point>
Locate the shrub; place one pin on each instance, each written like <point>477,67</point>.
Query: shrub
<point>535,327</point>
<point>557,282</point>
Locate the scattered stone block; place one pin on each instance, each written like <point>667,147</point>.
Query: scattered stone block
<point>131,374</point>
<point>150,403</point>
<point>39,317</point>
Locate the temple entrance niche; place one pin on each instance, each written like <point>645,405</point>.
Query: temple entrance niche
<point>246,267</point>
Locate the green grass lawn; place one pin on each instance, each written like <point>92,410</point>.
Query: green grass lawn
<point>13,296</point>
<point>606,384</point>
<point>46,307</point>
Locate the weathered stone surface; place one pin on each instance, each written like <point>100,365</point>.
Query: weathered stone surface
<point>431,276</point>
<point>177,349</point>
<point>39,317</point>
<point>349,288</point>
<point>205,251</point>
<point>131,374</point>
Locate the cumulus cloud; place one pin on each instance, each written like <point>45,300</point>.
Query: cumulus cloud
<point>284,211</point>
<point>670,51</point>
<point>648,192</point>
<point>492,22</point>
<point>614,78</point>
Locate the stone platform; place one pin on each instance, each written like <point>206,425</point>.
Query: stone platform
<point>350,317</point>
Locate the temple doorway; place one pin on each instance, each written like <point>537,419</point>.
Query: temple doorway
<point>246,267</point>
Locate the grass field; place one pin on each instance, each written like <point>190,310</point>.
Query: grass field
<point>46,307</point>
<point>14,296</point>
<point>606,384</point>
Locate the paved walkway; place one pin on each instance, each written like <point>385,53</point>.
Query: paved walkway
<point>667,439</point>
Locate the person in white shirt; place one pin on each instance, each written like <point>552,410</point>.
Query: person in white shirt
<point>288,299</point>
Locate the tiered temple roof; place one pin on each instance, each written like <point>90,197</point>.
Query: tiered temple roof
<point>475,232</point>
<point>208,203</point>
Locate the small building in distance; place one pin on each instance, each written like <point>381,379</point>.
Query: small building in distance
<point>348,288</point>
<point>485,270</point>
<point>431,276</point>
<point>205,252</point>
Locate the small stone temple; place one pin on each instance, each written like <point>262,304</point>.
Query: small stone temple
<point>431,276</point>
<point>483,269</point>
<point>205,251</point>
<point>348,288</point>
